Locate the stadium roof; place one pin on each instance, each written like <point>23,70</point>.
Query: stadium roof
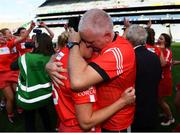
<point>57,12</point>
<point>59,6</point>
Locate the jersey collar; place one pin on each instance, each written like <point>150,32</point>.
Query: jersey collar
<point>137,46</point>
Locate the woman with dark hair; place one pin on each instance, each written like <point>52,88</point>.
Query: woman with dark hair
<point>43,45</point>
<point>150,45</point>
<point>165,86</point>
<point>151,36</point>
<point>164,41</point>
<point>34,85</point>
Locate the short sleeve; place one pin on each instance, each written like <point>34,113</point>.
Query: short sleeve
<point>88,96</point>
<point>109,64</point>
<point>10,44</point>
<point>168,57</point>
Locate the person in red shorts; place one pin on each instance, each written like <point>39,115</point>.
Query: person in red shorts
<point>78,111</point>
<point>165,86</point>
<point>9,78</point>
<point>2,100</point>
<point>112,71</point>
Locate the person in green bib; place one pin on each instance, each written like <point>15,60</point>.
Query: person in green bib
<point>34,91</point>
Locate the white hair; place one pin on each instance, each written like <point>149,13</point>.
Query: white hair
<point>137,35</point>
<point>97,21</point>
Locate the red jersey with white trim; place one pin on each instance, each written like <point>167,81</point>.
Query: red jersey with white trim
<point>65,98</point>
<point>116,64</point>
<point>7,56</point>
<point>166,84</point>
<point>21,46</point>
<point>166,70</point>
<point>154,49</point>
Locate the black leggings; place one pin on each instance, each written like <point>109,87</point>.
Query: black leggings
<point>30,119</point>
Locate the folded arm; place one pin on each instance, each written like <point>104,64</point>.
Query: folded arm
<point>88,118</point>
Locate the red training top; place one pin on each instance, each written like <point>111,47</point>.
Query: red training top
<point>65,99</point>
<point>116,64</point>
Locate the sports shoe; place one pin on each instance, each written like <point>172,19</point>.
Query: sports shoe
<point>167,122</point>
<point>2,104</point>
<point>11,119</point>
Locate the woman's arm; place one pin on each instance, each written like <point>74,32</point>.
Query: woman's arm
<point>88,118</point>
<point>176,62</point>
<point>47,28</point>
<point>127,24</point>
<point>19,39</point>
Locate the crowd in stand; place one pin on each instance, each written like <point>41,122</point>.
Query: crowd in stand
<point>98,80</point>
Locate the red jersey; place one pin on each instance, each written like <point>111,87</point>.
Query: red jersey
<point>154,49</point>
<point>7,56</point>
<point>65,99</point>
<point>168,58</point>
<point>165,87</point>
<point>116,64</point>
<point>20,46</point>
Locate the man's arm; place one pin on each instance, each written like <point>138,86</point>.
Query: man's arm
<point>88,119</point>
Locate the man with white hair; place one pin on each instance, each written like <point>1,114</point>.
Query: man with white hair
<point>148,75</point>
<point>112,71</point>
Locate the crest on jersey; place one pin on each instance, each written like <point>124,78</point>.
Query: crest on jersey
<point>59,56</point>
